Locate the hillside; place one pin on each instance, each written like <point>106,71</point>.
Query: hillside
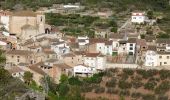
<point>121,8</point>
<point>10,87</point>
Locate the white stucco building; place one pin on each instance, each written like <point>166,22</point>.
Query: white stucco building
<point>4,19</point>
<point>151,58</point>
<point>95,60</point>
<point>131,46</point>
<point>83,70</point>
<point>138,17</point>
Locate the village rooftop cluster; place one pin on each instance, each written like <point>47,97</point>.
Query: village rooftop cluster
<point>30,44</point>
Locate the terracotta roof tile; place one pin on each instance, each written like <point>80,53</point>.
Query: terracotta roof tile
<point>36,68</point>
<point>19,52</point>
<point>15,70</point>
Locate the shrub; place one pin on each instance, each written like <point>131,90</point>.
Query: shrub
<point>136,95</point>
<point>124,76</point>
<point>152,72</point>
<point>154,79</point>
<point>111,83</point>
<point>145,74</point>
<point>74,81</point>
<point>124,85</point>
<point>112,91</point>
<point>87,88</point>
<point>63,89</point>
<point>150,85</point>
<point>163,87</point>
<point>96,78</point>
<point>136,84</point>
<point>128,71</point>
<point>99,90</point>
<point>124,93</point>
<point>161,97</point>
<point>164,74</point>
<point>149,97</point>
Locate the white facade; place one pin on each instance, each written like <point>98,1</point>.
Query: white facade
<point>60,48</point>
<point>98,62</point>
<point>168,47</point>
<point>151,58</point>
<point>81,69</point>
<point>131,48</point>
<point>82,41</point>
<point>5,20</point>
<point>138,17</point>
<point>104,49</point>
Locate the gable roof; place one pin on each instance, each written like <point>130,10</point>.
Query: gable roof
<point>92,54</point>
<point>36,68</point>
<point>131,40</point>
<point>167,41</point>
<point>15,70</point>
<point>63,66</point>
<point>19,52</point>
<point>24,13</point>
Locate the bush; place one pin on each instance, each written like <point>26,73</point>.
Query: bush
<point>87,88</point>
<point>154,79</point>
<point>74,81</point>
<point>128,71</point>
<point>124,85</point>
<point>111,83</point>
<point>163,87</point>
<point>96,78</point>
<point>99,90</point>
<point>150,85</point>
<point>63,89</point>
<point>136,84</point>
<point>145,74</point>
<point>124,76</point>
<point>124,93</point>
<point>149,97</point>
<point>112,91</point>
<point>164,74</point>
<point>152,72</point>
<point>136,95</point>
<point>161,97</point>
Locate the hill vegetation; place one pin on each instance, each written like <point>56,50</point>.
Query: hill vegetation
<point>161,8</point>
<point>114,84</point>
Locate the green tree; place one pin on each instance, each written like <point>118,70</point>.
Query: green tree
<point>28,77</point>
<point>63,89</point>
<point>150,14</point>
<point>64,78</point>
<point>4,76</point>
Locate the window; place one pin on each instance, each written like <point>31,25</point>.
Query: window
<point>17,60</point>
<point>131,48</point>
<point>72,57</point>
<point>12,56</point>
<point>131,44</point>
<point>134,17</point>
<point>165,62</point>
<point>41,18</point>
<point>18,56</point>
<point>160,57</point>
<point>167,57</point>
